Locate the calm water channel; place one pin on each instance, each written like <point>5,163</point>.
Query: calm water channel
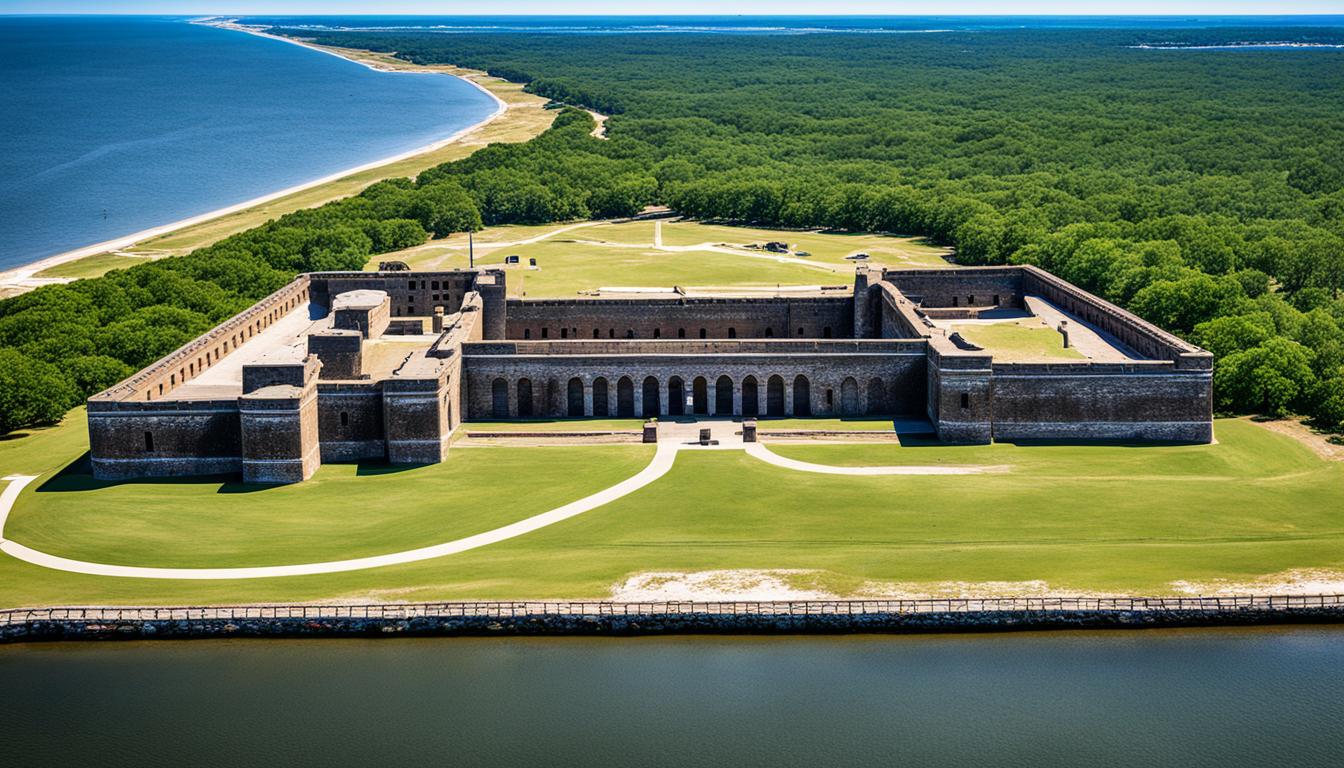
<point>1157,698</point>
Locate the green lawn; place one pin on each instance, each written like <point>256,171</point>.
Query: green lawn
<point>824,247</point>
<point>1018,341</point>
<point>843,424</point>
<point>92,266</point>
<point>621,255</point>
<point>1106,517</point>
<point>569,267</point>
<point>555,425</point>
<point>343,511</point>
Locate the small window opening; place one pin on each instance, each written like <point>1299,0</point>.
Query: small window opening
<point>564,333</point>
<point>345,419</point>
<point>544,332</point>
<point>826,332</point>
<point>657,333</point>
<point>149,441</point>
<point>965,400</point>
<point>702,333</point>
<point>830,398</point>
<point>732,333</point>
<point>681,333</point>
<point>527,333</point>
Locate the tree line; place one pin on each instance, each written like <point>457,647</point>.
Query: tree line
<point>1202,190</point>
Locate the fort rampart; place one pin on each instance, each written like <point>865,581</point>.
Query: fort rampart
<point>339,386</point>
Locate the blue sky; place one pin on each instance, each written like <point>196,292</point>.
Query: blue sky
<point>676,6</point>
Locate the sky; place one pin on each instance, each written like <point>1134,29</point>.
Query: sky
<point>764,7</point>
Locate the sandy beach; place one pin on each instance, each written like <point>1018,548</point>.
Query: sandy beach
<point>25,277</point>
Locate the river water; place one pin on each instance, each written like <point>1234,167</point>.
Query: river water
<point>113,125</point>
<point>1156,698</point>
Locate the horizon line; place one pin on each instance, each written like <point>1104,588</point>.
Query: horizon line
<point>1188,14</point>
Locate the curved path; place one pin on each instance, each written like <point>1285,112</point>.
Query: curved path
<point>759,451</point>
<point>662,461</point>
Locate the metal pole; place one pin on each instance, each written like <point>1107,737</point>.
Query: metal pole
<point>471,251</point>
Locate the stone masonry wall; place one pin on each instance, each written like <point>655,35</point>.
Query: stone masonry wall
<point>669,318</point>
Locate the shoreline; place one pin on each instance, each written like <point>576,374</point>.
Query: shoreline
<point>573,618</point>
<point>19,277</point>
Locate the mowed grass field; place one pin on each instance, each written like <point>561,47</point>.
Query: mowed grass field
<point>587,256</point>
<point>1109,518</point>
<point>1020,341</point>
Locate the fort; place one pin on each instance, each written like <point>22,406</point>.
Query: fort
<point>352,366</point>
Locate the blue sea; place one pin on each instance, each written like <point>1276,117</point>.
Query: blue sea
<point>109,126</point>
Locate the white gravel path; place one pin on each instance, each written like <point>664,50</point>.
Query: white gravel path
<point>673,439</point>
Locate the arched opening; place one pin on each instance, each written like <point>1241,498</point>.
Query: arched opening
<point>769,333</point>
<point>802,396</point>
<point>574,396</point>
<point>700,396</point>
<point>849,397</point>
<point>499,399</point>
<point>524,398</point>
<point>601,403</point>
<point>527,333</point>
<point>774,396</point>
<point>149,442</point>
<point>681,333</point>
<point>732,333</point>
<point>676,396</point>
<point>750,401</point>
<point>723,396</point>
<point>657,333</point>
<point>597,334</point>
<point>345,419</point>
<point>651,404</point>
<point>625,398</point>
<point>800,330</point>
<point>877,397</point>
<point>629,334</point>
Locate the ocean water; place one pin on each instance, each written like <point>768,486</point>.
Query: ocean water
<point>797,24</point>
<point>1153,698</point>
<point>109,126</point>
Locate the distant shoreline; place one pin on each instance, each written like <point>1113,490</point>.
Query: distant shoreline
<point>17,277</point>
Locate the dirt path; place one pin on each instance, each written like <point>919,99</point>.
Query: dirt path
<point>1303,434</point>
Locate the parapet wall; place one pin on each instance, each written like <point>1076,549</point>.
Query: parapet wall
<point>159,379</point>
<point>1136,333</point>
<point>685,317</point>
<point>411,294</point>
<point>961,287</point>
<point>696,347</point>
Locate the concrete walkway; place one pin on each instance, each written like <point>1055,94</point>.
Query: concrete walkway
<point>673,437</point>
<point>759,451</point>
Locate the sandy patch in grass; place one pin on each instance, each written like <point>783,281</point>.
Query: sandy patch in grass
<point>1316,441</point>
<point>789,584</point>
<point>1306,581</point>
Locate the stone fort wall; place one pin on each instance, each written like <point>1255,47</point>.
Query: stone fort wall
<point>721,378</point>
<point>683,317</point>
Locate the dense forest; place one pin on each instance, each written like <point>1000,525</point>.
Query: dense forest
<point>1202,189</point>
